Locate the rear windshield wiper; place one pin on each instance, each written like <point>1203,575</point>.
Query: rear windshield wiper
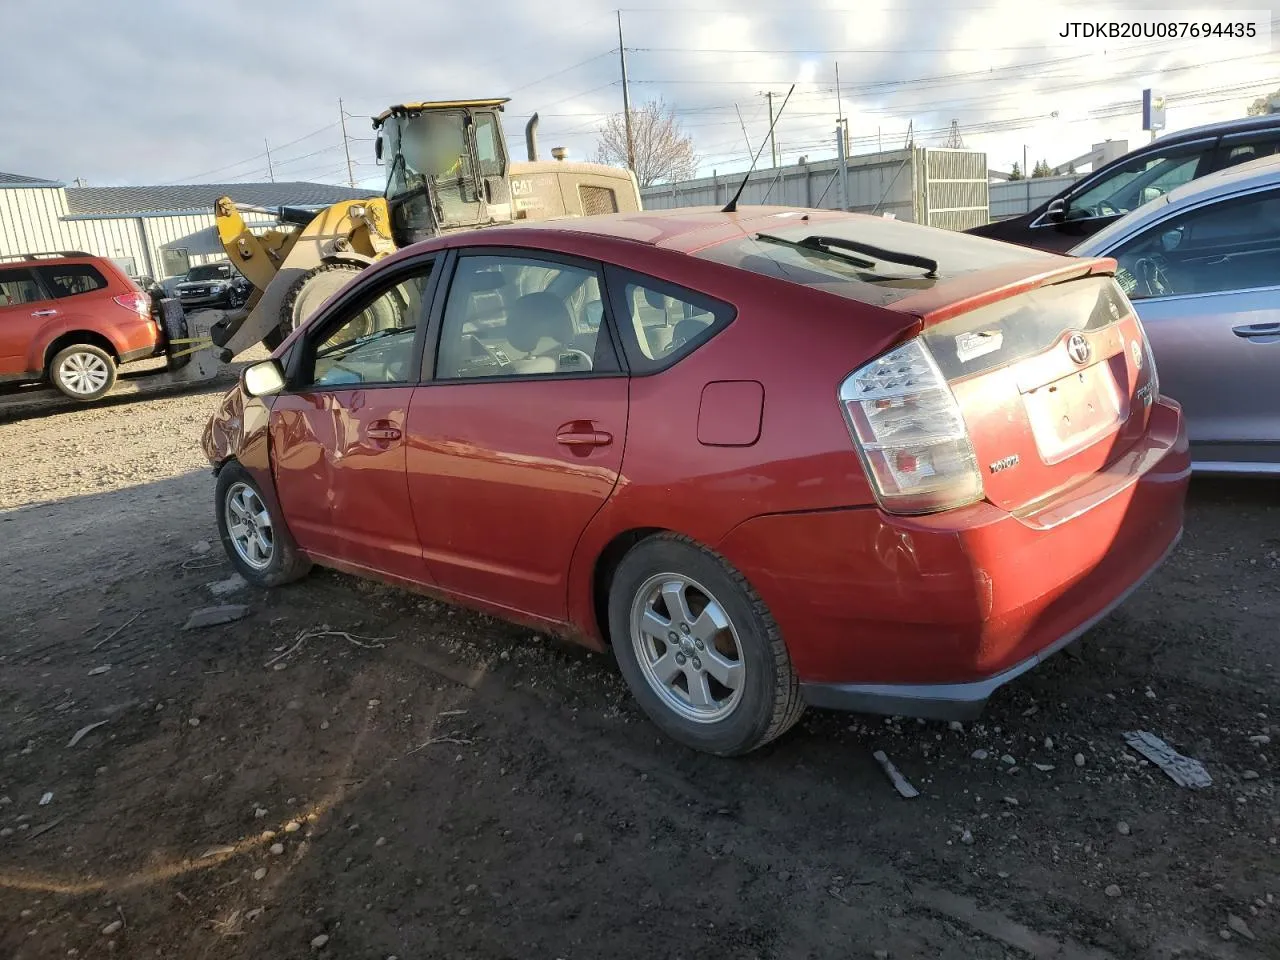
<point>834,246</point>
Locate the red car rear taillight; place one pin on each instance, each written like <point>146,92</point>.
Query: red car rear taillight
<point>908,427</point>
<point>139,303</point>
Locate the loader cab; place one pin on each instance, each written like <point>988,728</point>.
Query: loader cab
<point>446,165</point>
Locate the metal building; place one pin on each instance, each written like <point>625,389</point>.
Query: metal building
<point>940,187</point>
<point>155,232</point>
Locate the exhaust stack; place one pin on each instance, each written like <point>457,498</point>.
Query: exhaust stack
<point>531,138</point>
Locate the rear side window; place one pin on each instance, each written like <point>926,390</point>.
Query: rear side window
<point>18,287</point>
<point>71,279</point>
<point>661,322</point>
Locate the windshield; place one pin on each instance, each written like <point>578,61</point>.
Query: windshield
<point>866,278</point>
<point>1133,184</point>
<point>211,271</point>
<point>427,148</point>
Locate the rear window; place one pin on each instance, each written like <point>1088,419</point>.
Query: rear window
<point>885,281</point>
<point>71,279</point>
<point>1022,326</point>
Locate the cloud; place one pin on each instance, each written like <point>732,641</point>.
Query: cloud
<point>154,91</point>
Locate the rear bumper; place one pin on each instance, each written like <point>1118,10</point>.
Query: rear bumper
<point>952,701</point>
<point>927,616</point>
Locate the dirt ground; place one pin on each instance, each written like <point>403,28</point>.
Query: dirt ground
<point>438,784</point>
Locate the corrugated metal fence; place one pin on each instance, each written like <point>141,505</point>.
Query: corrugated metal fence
<point>945,188</point>
<point>1013,198</point>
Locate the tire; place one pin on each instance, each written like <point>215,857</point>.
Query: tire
<point>306,295</point>
<point>282,563</point>
<point>83,372</point>
<point>735,718</point>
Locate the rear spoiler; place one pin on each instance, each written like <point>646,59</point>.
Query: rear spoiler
<point>971,291</point>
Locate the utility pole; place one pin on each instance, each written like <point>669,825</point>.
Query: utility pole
<point>773,143</point>
<point>1026,175</point>
<point>844,167</point>
<point>840,118</point>
<point>626,98</point>
<point>346,144</point>
<point>270,172</point>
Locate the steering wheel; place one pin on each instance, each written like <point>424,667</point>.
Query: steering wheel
<point>1149,272</point>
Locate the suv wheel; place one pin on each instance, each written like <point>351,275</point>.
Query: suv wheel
<point>699,649</point>
<point>83,372</point>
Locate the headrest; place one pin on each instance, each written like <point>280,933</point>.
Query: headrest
<point>538,315</point>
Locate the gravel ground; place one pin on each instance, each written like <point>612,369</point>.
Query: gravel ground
<point>354,771</point>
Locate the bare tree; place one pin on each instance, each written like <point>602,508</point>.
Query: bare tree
<point>1265,105</point>
<point>663,151</point>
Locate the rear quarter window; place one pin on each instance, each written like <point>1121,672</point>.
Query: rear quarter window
<point>661,322</point>
<point>72,279</point>
<point>884,281</point>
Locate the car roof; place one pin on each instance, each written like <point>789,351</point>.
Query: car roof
<point>681,229</point>
<point>1220,128</point>
<point>1238,179</point>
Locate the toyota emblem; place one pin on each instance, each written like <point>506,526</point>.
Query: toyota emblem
<point>1078,348</point>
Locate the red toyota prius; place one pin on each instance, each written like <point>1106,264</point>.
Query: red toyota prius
<point>767,458</point>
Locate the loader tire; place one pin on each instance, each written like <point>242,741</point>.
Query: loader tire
<point>306,295</point>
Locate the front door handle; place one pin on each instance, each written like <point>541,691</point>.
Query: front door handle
<point>45,313</point>
<point>382,430</point>
<point>1254,330</point>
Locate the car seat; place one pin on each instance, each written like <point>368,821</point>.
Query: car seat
<point>534,319</point>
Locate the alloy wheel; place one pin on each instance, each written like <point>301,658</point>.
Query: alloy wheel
<point>687,648</point>
<point>83,373</point>
<point>249,526</point>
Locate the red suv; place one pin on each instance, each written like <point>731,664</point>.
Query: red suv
<point>70,319</point>
<point>771,458</point>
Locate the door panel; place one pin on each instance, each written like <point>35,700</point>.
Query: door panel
<point>372,518</point>
<point>302,433</point>
<point>1204,282</point>
<point>23,311</point>
<point>338,441</point>
<point>1215,357</point>
<point>505,476</point>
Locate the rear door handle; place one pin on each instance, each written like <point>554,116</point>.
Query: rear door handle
<point>1253,330</point>
<point>587,438</point>
<point>45,313</point>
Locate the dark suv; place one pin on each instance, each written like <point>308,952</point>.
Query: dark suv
<point>1141,175</point>
<point>71,319</point>
<point>214,285</point>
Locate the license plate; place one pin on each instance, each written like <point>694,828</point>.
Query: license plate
<point>1074,412</point>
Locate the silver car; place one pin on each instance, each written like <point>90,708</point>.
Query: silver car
<point>1202,267</point>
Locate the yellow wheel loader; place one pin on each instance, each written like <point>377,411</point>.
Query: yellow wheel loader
<point>447,170</point>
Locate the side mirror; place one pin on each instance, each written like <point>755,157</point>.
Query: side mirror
<point>377,148</point>
<point>263,379</point>
<point>1170,240</point>
<point>1056,211</point>
<point>1151,193</point>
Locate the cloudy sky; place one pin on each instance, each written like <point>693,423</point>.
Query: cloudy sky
<point>188,90</point>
